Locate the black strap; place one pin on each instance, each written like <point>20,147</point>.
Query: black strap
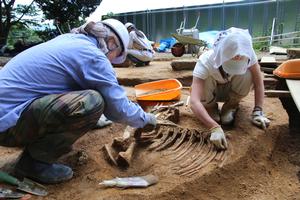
<point>224,75</point>
<point>257,108</point>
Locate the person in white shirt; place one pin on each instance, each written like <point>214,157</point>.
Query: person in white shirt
<point>227,73</point>
<point>140,50</point>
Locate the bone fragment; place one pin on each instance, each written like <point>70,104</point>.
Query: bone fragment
<point>157,107</point>
<point>124,158</point>
<point>108,154</point>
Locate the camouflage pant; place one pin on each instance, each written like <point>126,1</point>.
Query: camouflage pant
<point>51,124</point>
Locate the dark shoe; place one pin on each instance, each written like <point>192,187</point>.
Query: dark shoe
<point>42,172</point>
<point>140,64</point>
<point>147,63</point>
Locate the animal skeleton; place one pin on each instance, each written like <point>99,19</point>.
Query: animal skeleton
<point>187,150</point>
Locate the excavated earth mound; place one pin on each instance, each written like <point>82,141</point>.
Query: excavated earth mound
<point>260,165</point>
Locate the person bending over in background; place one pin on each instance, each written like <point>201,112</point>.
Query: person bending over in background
<point>53,93</point>
<point>140,50</point>
<point>226,73</point>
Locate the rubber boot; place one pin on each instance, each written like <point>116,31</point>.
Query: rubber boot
<point>137,62</point>
<point>229,108</point>
<point>213,111</point>
<point>40,171</point>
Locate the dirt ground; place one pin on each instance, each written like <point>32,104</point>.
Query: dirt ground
<point>260,164</point>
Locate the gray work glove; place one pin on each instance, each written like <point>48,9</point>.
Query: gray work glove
<point>102,122</point>
<point>150,126</point>
<point>259,119</point>
<point>218,138</point>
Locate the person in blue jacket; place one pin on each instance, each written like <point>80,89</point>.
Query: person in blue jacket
<point>53,93</point>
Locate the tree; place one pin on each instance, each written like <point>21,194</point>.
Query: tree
<point>67,13</point>
<point>9,17</point>
<point>108,16</point>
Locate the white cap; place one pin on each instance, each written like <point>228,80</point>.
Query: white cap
<point>122,33</point>
<point>129,24</point>
<point>236,67</point>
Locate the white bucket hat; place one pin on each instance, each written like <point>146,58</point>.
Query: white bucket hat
<point>129,24</point>
<point>231,43</point>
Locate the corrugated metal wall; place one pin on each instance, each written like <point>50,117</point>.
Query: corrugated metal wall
<point>257,16</point>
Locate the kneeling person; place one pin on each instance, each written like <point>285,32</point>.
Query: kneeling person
<point>55,92</point>
<point>140,50</point>
<point>226,73</point>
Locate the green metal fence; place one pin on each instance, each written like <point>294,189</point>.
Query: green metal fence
<point>257,16</point>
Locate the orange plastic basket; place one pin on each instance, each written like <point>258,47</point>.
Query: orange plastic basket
<point>289,69</point>
<point>163,90</point>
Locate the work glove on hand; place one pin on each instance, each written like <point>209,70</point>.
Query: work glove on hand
<point>150,126</point>
<point>218,138</point>
<point>259,119</point>
<point>102,122</point>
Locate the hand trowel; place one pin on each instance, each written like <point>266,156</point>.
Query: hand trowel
<point>26,185</point>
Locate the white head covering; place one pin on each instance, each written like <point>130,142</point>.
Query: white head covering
<point>129,24</point>
<point>103,29</point>
<point>96,29</point>
<point>230,43</point>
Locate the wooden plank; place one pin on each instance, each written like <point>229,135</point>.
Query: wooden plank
<point>266,69</point>
<point>269,75</point>
<point>277,93</point>
<point>270,79</point>
<point>294,87</point>
<point>281,58</point>
<point>268,61</point>
<point>178,65</point>
<point>270,83</point>
<point>277,50</point>
<point>293,53</point>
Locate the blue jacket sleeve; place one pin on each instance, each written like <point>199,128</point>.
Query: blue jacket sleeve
<point>99,75</point>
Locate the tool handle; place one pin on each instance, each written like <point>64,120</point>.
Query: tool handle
<point>5,177</point>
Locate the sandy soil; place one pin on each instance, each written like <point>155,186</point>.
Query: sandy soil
<point>261,164</point>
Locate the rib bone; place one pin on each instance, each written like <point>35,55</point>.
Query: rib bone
<point>193,158</point>
<point>179,141</point>
<point>188,148</point>
<point>210,156</point>
<point>169,141</point>
<point>160,141</point>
